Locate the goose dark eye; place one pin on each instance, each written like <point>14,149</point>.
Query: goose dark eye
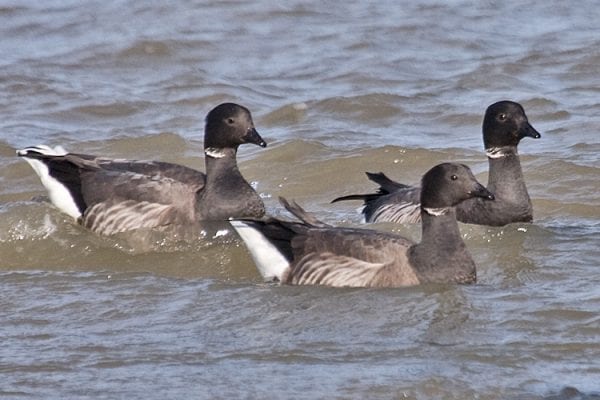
<point>454,177</point>
<point>230,121</point>
<point>502,117</point>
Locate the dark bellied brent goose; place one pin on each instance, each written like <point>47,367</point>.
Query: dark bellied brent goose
<point>110,196</point>
<point>310,252</point>
<point>504,125</point>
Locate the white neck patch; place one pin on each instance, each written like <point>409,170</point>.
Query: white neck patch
<point>215,152</point>
<point>499,152</point>
<point>436,212</point>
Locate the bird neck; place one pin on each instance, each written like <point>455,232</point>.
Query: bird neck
<point>219,162</point>
<point>441,255</point>
<point>439,228</point>
<point>505,173</point>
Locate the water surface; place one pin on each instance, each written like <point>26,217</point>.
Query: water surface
<point>336,90</point>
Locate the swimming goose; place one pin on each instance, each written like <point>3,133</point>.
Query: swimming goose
<point>504,125</point>
<point>110,196</point>
<point>310,252</point>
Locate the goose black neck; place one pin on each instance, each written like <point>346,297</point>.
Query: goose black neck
<point>505,171</point>
<point>220,162</point>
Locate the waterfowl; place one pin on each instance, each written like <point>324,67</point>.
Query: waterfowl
<point>504,125</point>
<point>310,252</point>
<point>110,196</point>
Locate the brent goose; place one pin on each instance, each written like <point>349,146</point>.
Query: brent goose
<point>110,196</point>
<point>504,125</point>
<point>310,252</point>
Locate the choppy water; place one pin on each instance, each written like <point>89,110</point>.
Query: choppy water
<point>336,89</point>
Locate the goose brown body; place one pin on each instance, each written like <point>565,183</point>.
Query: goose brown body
<point>313,253</point>
<point>110,196</point>
<point>504,125</point>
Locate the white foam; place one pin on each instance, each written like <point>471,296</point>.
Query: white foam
<point>221,232</point>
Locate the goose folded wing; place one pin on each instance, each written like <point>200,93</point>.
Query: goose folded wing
<point>122,201</point>
<point>386,185</point>
<point>99,186</point>
<point>156,169</point>
<point>92,179</point>
<point>333,270</point>
<point>350,258</point>
<point>400,206</point>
